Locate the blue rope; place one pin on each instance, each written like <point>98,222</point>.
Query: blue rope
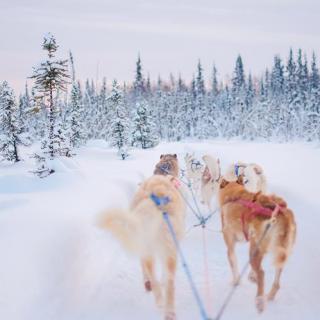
<point>236,170</point>
<point>159,201</point>
<point>202,219</point>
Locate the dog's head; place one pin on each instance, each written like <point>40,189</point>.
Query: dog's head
<point>224,182</point>
<point>166,157</point>
<point>256,168</point>
<point>168,164</point>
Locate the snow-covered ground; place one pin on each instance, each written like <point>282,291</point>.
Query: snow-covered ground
<point>55,263</point>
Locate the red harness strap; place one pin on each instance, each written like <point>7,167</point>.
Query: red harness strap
<point>256,210</point>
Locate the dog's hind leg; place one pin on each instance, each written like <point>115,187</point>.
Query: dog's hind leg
<point>256,256</point>
<point>275,285</point>
<point>230,242</point>
<point>170,271</point>
<point>152,282</point>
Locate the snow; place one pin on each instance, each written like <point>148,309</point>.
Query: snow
<point>56,264</point>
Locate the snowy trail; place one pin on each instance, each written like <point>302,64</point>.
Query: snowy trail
<point>55,264</point>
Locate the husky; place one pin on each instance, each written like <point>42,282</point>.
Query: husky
<point>245,216</point>
<point>210,179</point>
<point>194,171</point>
<point>142,230</point>
<point>168,164</point>
<point>252,174</point>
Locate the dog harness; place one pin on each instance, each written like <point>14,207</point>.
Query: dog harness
<point>196,165</point>
<point>159,201</point>
<point>236,169</point>
<point>165,167</point>
<point>256,211</point>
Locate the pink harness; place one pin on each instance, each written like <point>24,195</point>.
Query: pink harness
<point>256,211</point>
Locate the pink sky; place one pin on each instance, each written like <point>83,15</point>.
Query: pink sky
<point>170,35</point>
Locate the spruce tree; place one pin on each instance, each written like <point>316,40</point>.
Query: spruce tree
<point>143,127</point>
<point>78,134</point>
<point>120,124</point>
<point>139,83</point>
<point>214,89</point>
<point>50,78</point>
<point>9,124</point>
<point>238,80</point>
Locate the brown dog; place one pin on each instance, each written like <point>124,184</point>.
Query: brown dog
<point>245,216</point>
<point>168,164</point>
<point>143,231</point>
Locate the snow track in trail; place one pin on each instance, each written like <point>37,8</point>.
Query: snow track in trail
<point>55,263</point>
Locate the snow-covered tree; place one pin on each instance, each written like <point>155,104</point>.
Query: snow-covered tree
<point>50,77</point>
<point>120,123</point>
<point>214,83</point>
<point>9,124</point>
<point>143,127</point>
<point>77,129</point>
<point>139,82</point>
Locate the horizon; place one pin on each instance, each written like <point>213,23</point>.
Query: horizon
<point>106,38</point>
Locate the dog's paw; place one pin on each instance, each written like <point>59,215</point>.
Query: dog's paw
<point>252,276</point>
<point>147,285</point>
<point>260,303</point>
<point>236,281</point>
<point>170,316</point>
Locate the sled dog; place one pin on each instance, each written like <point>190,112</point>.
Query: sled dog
<point>245,216</point>
<point>252,174</point>
<point>210,179</point>
<point>194,171</point>
<point>168,164</point>
<point>142,230</point>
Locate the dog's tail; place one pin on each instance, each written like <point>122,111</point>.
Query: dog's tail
<point>123,225</point>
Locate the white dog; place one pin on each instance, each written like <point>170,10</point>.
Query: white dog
<point>210,179</point>
<point>253,177</point>
<point>194,171</point>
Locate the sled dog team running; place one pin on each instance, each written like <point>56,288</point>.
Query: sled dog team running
<point>246,211</point>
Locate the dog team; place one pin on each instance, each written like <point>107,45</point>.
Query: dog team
<point>246,211</point>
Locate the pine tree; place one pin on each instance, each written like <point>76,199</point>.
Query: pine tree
<point>238,80</point>
<point>144,128</point>
<point>313,125</point>
<point>120,125</point>
<point>25,117</point>
<point>214,89</point>
<point>291,79</point>
<point>138,85</point>
<point>277,78</point>
<point>9,124</point>
<point>200,87</point>
<point>250,92</point>
<point>50,78</point>
<point>78,135</point>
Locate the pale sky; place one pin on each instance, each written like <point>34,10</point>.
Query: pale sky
<point>171,35</point>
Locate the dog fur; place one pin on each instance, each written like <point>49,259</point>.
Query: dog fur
<point>194,173</point>
<point>279,240</point>
<point>143,231</point>
<point>210,179</point>
<point>168,164</point>
<point>252,174</point>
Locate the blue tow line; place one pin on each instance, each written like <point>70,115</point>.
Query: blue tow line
<point>162,201</point>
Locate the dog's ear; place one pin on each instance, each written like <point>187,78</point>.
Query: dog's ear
<point>223,183</point>
<point>175,156</point>
<point>161,156</point>
<point>240,180</point>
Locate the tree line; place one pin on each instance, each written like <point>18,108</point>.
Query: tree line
<point>63,114</point>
